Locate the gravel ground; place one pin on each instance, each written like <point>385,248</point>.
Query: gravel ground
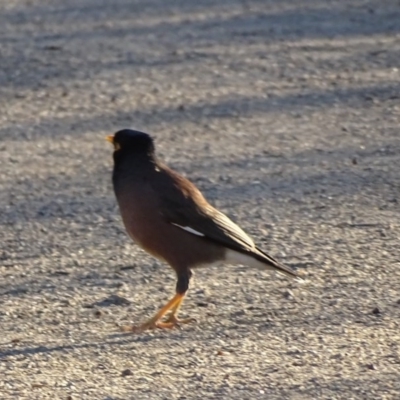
<point>285,113</point>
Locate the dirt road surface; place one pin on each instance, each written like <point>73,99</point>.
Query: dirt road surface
<point>285,113</point>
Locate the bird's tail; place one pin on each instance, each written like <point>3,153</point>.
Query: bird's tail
<point>260,260</point>
<point>267,259</point>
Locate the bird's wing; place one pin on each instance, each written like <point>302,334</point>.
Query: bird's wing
<point>215,226</point>
<point>183,205</point>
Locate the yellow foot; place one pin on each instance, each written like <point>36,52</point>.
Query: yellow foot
<point>173,321</point>
<point>170,323</point>
<point>171,308</point>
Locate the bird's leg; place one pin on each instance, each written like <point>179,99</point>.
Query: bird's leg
<point>154,322</point>
<point>182,287</point>
<point>172,319</point>
<point>172,306</point>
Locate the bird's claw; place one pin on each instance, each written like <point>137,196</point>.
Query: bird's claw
<point>170,323</point>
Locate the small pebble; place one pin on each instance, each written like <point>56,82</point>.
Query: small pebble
<point>126,372</point>
<point>376,311</point>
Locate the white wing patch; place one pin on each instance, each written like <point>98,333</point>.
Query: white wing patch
<point>189,229</point>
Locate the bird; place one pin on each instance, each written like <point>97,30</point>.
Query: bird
<point>167,216</point>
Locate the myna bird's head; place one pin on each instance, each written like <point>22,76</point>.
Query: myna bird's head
<point>132,142</point>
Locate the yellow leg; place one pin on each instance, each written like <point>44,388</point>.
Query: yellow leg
<point>154,322</point>
<point>173,320</point>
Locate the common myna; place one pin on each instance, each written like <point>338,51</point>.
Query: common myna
<point>167,216</point>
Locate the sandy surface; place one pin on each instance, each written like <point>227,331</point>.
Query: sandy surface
<point>285,113</point>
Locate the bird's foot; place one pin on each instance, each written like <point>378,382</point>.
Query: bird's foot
<point>170,323</point>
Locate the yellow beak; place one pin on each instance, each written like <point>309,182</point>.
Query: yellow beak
<point>110,138</point>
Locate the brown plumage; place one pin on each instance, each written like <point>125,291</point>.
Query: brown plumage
<point>168,217</point>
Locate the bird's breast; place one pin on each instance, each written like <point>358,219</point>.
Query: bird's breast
<point>140,210</point>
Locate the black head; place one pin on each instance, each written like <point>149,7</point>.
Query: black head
<point>132,142</point>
